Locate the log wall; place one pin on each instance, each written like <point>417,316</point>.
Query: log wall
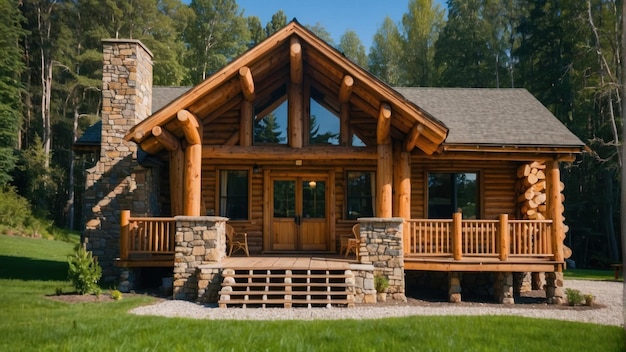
<point>497,180</point>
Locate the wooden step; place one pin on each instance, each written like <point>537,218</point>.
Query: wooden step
<point>293,293</point>
<point>293,276</point>
<point>286,303</point>
<point>282,284</point>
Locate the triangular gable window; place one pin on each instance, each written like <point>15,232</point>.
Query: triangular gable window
<point>272,128</point>
<point>323,126</point>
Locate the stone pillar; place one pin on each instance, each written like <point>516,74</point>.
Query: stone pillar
<point>504,288</point>
<point>117,181</point>
<point>454,287</point>
<point>381,244</point>
<point>555,294</point>
<point>200,241</point>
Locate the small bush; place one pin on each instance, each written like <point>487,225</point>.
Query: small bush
<point>116,295</point>
<point>589,298</point>
<point>381,283</point>
<point>84,271</point>
<point>574,297</point>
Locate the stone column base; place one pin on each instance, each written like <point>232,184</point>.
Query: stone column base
<point>504,288</point>
<point>555,293</point>
<point>454,287</point>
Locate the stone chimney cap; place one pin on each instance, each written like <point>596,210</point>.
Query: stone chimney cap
<point>130,41</point>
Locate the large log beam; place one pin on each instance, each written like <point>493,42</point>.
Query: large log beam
<point>177,177</point>
<point>383,130</point>
<point>247,83</point>
<point>191,126</point>
<point>166,138</point>
<point>295,114</point>
<point>411,140</point>
<point>271,153</point>
<point>295,60</point>
<point>345,89</point>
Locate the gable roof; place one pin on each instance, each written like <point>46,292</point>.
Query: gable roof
<point>324,67</point>
<point>499,117</point>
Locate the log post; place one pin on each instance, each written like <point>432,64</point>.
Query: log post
<point>384,179</point>
<point>247,83</point>
<point>192,195</point>
<point>402,187</point>
<point>245,128</point>
<point>345,136</point>
<point>383,129</point>
<point>345,89</point>
<point>504,235</point>
<point>124,233</point>
<point>176,169</point>
<point>295,103</point>
<point>295,60</point>
<point>457,233</point>
<point>554,208</point>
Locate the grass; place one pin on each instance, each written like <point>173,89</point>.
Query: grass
<point>29,321</point>
<point>591,274</point>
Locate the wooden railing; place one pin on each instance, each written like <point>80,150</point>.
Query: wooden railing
<point>143,237</point>
<point>500,238</point>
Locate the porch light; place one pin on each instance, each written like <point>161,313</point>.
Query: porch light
<point>256,169</point>
<point>312,184</point>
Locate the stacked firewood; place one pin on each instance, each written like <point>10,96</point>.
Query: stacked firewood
<point>531,186</point>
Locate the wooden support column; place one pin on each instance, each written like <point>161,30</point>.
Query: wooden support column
<point>294,93</point>
<point>384,173</point>
<point>402,187</point>
<point>124,233</point>
<point>246,107</point>
<point>504,237</point>
<point>176,167</point>
<point>457,236</point>
<point>554,204</point>
<point>345,90</point>
<point>192,194</point>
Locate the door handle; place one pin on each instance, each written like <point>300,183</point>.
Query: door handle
<point>297,220</point>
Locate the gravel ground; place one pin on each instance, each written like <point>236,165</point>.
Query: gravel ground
<point>608,309</point>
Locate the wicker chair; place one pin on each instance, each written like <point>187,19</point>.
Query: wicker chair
<point>236,241</point>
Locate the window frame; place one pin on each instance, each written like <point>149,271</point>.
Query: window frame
<point>218,193</point>
<point>479,188</point>
<point>372,172</point>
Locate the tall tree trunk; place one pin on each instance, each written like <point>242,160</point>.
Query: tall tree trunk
<point>623,178</point>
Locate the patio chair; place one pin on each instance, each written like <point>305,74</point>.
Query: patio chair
<point>236,241</point>
<point>350,243</point>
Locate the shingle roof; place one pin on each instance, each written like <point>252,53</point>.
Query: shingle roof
<point>475,116</point>
<point>480,116</point>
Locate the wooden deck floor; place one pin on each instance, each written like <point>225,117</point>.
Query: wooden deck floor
<point>282,262</point>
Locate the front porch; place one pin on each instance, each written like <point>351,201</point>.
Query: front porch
<point>195,248</point>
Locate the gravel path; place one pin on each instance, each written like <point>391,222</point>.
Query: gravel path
<point>608,295</point>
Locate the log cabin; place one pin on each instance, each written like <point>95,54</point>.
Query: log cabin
<point>293,144</point>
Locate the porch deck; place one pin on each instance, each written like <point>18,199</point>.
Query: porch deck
<point>293,262</point>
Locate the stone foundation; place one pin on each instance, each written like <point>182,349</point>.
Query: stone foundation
<point>555,293</point>
<point>200,241</point>
<point>504,288</point>
<point>381,245</point>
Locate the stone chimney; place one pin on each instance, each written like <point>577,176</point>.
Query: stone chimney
<point>117,181</point>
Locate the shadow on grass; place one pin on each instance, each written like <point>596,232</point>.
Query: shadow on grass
<point>21,268</point>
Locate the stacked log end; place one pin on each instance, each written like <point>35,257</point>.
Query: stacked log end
<point>531,192</point>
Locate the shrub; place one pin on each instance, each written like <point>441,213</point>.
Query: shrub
<point>381,283</point>
<point>574,297</point>
<point>116,295</point>
<point>84,271</point>
<point>589,299</point>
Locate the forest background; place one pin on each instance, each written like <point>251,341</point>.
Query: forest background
<point>566,53</point>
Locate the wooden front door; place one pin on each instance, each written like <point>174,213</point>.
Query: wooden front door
<point>300,213</point>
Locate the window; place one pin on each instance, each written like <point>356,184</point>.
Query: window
<point>360,194</point>
<point>272,129</point>
<point>324,125</point>
<point>449,193</point>
<point>234,194</point>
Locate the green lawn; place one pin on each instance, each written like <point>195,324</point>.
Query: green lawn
<point>591,274</point>
<point>29,321</point>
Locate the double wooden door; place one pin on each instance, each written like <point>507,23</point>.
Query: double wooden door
<point>300,214</point>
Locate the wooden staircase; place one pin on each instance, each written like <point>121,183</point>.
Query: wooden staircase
<point>286,287</point>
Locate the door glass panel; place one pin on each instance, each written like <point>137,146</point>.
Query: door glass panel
<point>313,199</point>
<point>284,199</point>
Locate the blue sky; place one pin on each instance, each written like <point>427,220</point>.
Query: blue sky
<point>362,16</point>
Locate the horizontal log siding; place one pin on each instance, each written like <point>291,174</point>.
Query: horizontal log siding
<point>497,184</point>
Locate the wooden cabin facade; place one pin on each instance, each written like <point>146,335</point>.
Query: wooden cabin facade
<point>293,143</point>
